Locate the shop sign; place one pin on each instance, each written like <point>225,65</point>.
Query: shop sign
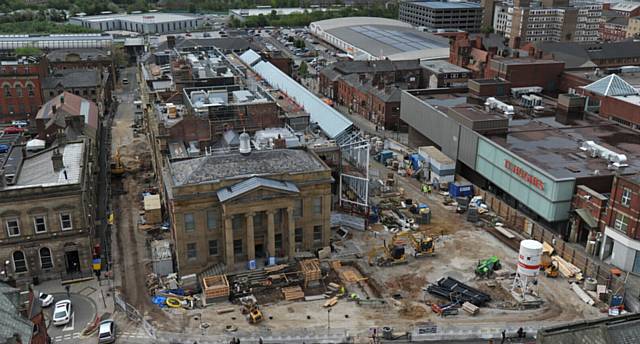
<point>524,175</point>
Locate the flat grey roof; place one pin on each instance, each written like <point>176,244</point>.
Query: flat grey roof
<point>37,170</point>
<point>446,5</point>
<point>441,66</point>
<point>214,168</point>
<point>557,149</point>
<point>388,40</point>
<point>144,18</point>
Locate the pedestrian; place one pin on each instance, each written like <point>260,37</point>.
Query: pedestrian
<point>521,333</point>
<point>68,289</point>
<point>504,336</point>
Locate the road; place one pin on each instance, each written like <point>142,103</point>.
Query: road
<point>84,312</point>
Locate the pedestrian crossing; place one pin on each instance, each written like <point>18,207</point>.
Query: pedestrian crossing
<point>66,337</point>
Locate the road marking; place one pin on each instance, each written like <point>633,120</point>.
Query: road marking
<point>73,320</point>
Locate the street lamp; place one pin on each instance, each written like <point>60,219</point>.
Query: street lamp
<point>328,320</point>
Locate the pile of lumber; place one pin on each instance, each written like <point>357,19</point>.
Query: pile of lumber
<point>470,308</point>
<point>292,293</point>
<point>331,302</point>
<point>215,286</point>
<point>310,270</point>
<point>567,269</point>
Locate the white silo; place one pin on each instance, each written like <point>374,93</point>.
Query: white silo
<point>245,143</point>
<point>527,269</point>
<point>529,258</point>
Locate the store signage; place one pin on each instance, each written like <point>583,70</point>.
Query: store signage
<point>524,175</point>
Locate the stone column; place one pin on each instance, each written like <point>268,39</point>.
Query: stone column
<point>271,236</point>
<point>251,246</point>
<point>291,233</point>
<point>228,241</point>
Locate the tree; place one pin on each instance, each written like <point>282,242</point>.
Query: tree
<point>262,21</point>
<point>486,29</point>
<point>273,14</point>
<point>303,70</point>
<point>299,43</point>
<point>28,51</point>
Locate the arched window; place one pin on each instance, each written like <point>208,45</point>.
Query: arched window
<point>46,262</point>
<point>19,262</point>
<point>18,88</point>
<point>7,90</point>
<point>30,90</point>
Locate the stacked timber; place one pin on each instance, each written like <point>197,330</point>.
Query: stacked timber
<point>567,269</point>
<point>215,287</point>
<point>310,270</point>
<point>292,293</point>
<point>470,308</point>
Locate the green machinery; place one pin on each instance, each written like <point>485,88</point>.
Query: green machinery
<point>486,267</point>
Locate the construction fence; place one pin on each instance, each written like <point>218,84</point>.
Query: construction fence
<point>134,315</point>
<point>590,266</point>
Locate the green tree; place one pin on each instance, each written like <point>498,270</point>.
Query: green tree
<point>262,21</point>
<point>303,70</point>
<point>28,51</point>
<point>299,43</point>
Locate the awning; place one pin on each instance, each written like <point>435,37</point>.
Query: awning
<point>587,218</point>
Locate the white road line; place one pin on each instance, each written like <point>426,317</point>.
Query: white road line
<point>72,322</point>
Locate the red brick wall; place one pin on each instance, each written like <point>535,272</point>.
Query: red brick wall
<point>616,207</point>
<point>545,75</point>
<point>568,81</point>
<point>13,105</point>
<point>610,32</point>
<point>620,109</point>
<point>595,206</point>
<point>41,336</point>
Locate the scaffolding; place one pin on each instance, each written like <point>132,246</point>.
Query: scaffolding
<point>354,182</point>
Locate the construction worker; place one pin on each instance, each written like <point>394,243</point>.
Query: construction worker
<point>429,189</point>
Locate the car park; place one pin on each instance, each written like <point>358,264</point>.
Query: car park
<point>62,313</point>
<point>107,332</point>
<point>45,299</point>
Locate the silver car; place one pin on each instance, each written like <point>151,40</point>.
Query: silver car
<point>107,332</point>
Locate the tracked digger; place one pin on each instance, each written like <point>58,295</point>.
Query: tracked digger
<point>387,255</point>
<point>422,245</point>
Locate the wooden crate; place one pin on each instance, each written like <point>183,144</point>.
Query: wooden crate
<point>215,287</point>
<point>310,270</point>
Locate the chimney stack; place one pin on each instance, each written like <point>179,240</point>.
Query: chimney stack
<point>61,138</point>
<point>56,160</point>
<point>54,108</point>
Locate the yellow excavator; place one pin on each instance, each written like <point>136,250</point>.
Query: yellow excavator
<point>387,255</point>
<point>117,168</point>
<point>422,245</point>
<point>251,309</point>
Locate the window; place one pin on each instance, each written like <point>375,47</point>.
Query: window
<point>18,91</point>
<point>85,92</point>
<point>51,94</point>
<point>7,91</point>
<point>46,262</point>
<point>19,262</point>
<point>317,233</point>
<point>213,219</point>
<point>278,241</point>
<point>626,197</point>
<point>297,209</point>
<point>192,252</point>
<point>65,221</point>
<point>213,247</point>
<point>622,222</point>
<point>237,247</point>
<point>40,223</point>
<point>317,205</point>
<point>30,90</point>
<point>298,235</point>
<point>189,223</point>
<point>13,227</point>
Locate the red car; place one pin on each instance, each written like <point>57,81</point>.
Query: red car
<point>13,130</point>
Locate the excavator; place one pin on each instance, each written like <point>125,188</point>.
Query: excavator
<point>422,245</point>
<point>384,255</point>
<point>251,309</point>
<point>117,168</point>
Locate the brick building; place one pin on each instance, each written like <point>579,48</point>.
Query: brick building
<point>621,240</point>
<point>473,52</point>
<point>613,29</point>
<point>524,72</point>
<point>72,114</point>
<point>47,212</point>
<point>580,56</point>
<point>232,209</point>
<point>613,98</point>
<point>21,317</point>
<point>589,214</point>
<point>388,72</point>
<point>87,83</point>
<point>21,82</point>
<point>84,58</point>
<point>376,102</point>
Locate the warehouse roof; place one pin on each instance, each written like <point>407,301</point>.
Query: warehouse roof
<point>215,168</point>
<point>144,18</point>
<point>329,24</point>
<point>446,5</point>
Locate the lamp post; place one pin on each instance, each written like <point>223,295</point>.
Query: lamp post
<point>328,320</point>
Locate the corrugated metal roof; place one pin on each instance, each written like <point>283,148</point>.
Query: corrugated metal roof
<point>250,57</point>
<point>611,85</point>
<point>230,192</point>
<point>332,122</point>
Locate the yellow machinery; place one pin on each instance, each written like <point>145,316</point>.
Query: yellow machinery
<point>387,255</point>
<point>422,245</point>
<point>117,168</point>
<point>251,310</point>
<point>551,270</point>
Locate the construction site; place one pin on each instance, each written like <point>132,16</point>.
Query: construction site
<point>414,253</point>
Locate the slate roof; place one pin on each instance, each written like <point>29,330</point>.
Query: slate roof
<point>37,170</point>
<point>214,168</point>
<point>582,55</point>
<point>69,104</point>
<point>61,55</point>
<point>611,85</point>
<point>11,321</point>
<point>72,78</point>
<point>250,184</point>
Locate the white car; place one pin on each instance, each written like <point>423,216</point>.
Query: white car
<point>62,313</point>
<point>45,299</point>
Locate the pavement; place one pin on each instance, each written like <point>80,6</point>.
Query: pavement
<point>88,299</point>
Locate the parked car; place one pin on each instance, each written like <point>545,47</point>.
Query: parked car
<point>20,124</point>
<point>45,299</point>
<point>125,81</point>
<point>107,332</point>
<point>13,130</point>
<point>62,313</point>
<point>4,148</point>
